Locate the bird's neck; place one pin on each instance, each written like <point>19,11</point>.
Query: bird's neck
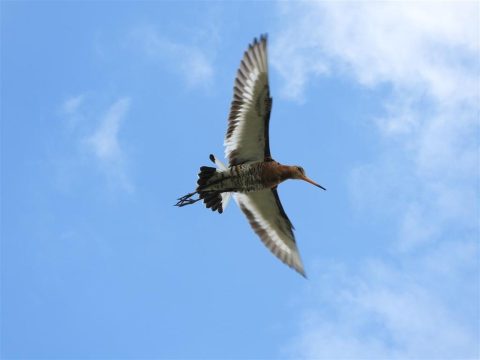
<point>291,172</point>
<point>286,172</point>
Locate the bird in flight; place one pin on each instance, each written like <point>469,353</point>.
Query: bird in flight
<point>252,176</point>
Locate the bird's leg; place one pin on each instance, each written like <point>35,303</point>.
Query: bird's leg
<point>186,200</point>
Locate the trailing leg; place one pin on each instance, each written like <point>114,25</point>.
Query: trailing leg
<point>187,200</point>
<point>209,178</point>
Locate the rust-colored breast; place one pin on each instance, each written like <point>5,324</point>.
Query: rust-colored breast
<point>274,173</point>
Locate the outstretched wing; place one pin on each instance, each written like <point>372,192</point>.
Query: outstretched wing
<point>268,219</point>
<point>247,133</point>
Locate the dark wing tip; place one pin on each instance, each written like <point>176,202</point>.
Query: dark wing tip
<point>261,40</point>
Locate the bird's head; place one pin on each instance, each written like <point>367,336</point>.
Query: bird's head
<point>297,172</point>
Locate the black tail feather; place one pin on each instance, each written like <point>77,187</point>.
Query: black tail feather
<point>212,199</point>
<point>206,172</point>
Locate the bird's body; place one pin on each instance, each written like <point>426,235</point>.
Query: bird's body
<point>245,178</point>
<point>252,176</point>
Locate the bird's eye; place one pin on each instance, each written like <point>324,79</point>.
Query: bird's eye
<point>300,169</point>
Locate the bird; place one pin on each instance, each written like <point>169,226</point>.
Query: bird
<point>252,175</point>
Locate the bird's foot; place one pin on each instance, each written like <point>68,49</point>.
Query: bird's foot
<point>187,200</point>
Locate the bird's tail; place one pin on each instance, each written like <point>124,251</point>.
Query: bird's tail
<point>213,199</point>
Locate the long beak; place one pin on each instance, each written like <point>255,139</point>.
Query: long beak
<point>313,182</point>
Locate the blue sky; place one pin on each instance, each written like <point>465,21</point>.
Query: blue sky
<point>109,108</point>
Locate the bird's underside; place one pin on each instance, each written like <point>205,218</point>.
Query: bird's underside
<point>252,176</point>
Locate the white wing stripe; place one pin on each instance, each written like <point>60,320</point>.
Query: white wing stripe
<point>245,139</point>
<point>274,230</point>
<point>256,51</point>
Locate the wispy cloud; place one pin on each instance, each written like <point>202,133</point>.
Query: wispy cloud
<point>427,56</point>
<point>423,45</point>
<point>104,141</point>
<point>72,104</point>
<point>101,143</point>
<point>71,109</point>
<point>393,312</point>
<point>192,62</point>
<point>105,145</point>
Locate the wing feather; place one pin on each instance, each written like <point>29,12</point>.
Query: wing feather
<point>268,219</point>
<point>247,133</point>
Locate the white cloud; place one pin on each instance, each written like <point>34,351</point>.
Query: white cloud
<point>104,141</point>
<point>105,145</point>
<point>406,44</point>
<point>190,61</point>
<point>428,54</point>
<point>95,136</point>
<point>71,109</point>
<point>408,311</point>
<point>425,178</point>
<point>72,104</point>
